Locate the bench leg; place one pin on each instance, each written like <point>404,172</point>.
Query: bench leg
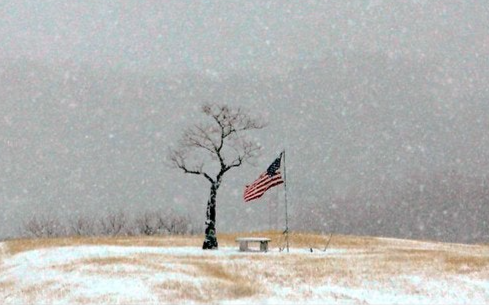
<point>243,246</point>
<point>264,246</point>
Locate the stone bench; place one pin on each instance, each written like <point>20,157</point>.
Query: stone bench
<point>244,241</point>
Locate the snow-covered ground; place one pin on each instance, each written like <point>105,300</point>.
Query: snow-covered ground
<point>89,274</point>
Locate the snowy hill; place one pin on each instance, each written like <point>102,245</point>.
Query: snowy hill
<point>159,270</point>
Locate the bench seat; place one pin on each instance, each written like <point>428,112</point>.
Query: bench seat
<point>244,241</point>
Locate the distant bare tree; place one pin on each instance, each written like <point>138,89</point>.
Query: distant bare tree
<point>44,226</point>
<point>82,226</point>
<point>175,224</point>
<point>147,224</point>
<point>162,223</point>
<point>113,224</point>
<point>223,140</point>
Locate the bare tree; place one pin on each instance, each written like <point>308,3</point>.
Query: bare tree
<point>82,226</point>
<point>224,141</point>
<point>113,224</point>
<point>173,224</point>
<point>147,224</point>
<point>44,226</point>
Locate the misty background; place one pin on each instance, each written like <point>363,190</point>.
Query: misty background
<point>382,108</point>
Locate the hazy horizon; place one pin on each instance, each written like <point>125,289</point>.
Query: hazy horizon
<point>382,107</point>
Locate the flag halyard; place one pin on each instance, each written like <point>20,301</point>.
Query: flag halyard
<point>270,178</point>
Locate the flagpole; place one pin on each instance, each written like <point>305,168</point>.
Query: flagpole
<point>286,213</point>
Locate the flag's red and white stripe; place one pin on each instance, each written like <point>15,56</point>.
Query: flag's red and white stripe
<point>261,185</point>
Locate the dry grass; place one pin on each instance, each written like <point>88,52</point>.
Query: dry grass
<point>233,280</point>
<point>102,265</point>
<point>110,299</point>
<point>34,293</point>
<point>15,246</point>
<point>466,264</point>
<point>7,285</point>
<point>208,278</point>
<point>216,281</point>
<point>176,290</point>
<point>297,240</point>
<point>407,255</point>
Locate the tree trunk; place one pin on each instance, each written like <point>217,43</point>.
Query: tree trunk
<point>210,241</point>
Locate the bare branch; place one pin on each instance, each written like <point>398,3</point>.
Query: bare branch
<point>246,150</point>
<point>172,223</point>
<point>199,137</point>
<point>221,140</point>
<point>113,224</point>
<point>232,120</point>
<point>44,226</point>
<point>177,157</point>
<point>82,226</point>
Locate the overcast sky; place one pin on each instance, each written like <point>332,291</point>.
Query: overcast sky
<point>361,94</point>
<point>227,35</point>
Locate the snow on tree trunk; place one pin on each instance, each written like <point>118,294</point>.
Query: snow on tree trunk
<point>210,241</point>
<point>226,133</point>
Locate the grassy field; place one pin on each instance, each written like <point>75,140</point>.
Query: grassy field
<point>174,269</point>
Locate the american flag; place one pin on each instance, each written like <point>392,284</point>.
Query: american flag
<point>270,178</point>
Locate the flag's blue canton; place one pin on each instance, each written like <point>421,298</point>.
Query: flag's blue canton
<point>272,169</point>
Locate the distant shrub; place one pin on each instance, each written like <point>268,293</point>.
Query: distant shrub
<point>113,224</point>
<point>44,226</point>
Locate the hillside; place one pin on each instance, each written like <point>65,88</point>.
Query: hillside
<point>159,270</point>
